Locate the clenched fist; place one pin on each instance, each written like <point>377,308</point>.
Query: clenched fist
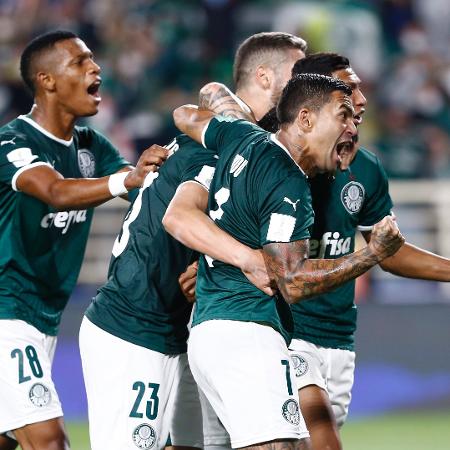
<point>150,161</point>
<point>386,238</point>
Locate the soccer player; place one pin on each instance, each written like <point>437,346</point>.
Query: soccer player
<point>133,337</point>
<point>51,175</point>
<point>355,198</point>
<point>238,344</point>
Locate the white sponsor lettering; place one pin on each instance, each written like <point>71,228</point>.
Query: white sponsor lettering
<point>331,240</point>
<point>63,219</point>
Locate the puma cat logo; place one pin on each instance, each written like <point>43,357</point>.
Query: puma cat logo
<point>8,142</point>
<point>293,204</point>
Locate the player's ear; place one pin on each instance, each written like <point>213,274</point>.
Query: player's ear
<point>263,77</point>
<point>45,81</point>
<point>305,120</point>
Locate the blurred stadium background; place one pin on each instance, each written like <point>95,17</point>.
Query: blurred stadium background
<point>156,54</point>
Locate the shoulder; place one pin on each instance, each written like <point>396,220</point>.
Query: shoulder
<point>367,158</point>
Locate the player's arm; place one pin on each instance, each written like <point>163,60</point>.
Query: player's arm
<point>214,99</point>
<point>413,262</point>
<point>186,221</point>
<point>49,186</point>
<point>218,98</point>
<point>299,278</point>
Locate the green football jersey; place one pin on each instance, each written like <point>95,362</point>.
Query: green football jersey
<point>41,249</point>
<point>259,195</point>
<point>142,301</point>
<point>356,199</point>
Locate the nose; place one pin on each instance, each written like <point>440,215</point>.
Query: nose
<point>95,68</point>
<point>351,128</point>
<point>358,98</point>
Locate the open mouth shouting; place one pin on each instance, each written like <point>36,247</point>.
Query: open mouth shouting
<point>93,90</point>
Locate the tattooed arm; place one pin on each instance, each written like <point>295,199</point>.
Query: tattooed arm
<point>216,97</point>
<point>299,278</point>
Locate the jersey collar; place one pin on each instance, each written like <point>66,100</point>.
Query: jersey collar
<point>34,124</point>
<point>276,141</point>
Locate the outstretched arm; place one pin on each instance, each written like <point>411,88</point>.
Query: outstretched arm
<point>413,262</point>
<point>49,186</point>
<point>299,278</point>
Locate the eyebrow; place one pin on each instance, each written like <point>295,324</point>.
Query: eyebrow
<point>347,107</point>
<point>82,55</point>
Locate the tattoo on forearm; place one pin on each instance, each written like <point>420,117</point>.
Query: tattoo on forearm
<point>299,278</point>
<point>297,444</point>
<point>218,99</point>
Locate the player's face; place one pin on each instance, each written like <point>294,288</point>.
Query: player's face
<point>283,73</point>
<point>333,129</point>
<point>77,78</point>
<point>349,77</point>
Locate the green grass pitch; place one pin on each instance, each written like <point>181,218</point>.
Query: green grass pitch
<point>407,431</point>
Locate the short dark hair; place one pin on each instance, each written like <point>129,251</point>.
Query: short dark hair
<point>321,63</point>
<point>254,50</point>
<point>34,49</point>
<point>307,90</point>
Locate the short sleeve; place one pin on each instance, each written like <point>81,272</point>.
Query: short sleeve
<point>16,156</point>
<point>222,131</point>
<point>379,204</point>
<point>285,212</point>
<point>201,168</point>
<point>110,160</point>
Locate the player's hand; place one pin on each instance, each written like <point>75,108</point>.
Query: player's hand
<point>386,238</point>
<point>254,268</point>
<point>150,161</point>
<point>187,281</point>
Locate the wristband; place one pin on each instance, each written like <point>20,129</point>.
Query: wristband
<point>116,184</point>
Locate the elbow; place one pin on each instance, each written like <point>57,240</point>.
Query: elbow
<point>172,223</point>
<point>177,116</point>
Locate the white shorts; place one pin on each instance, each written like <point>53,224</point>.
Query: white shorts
<point>332,369</point>
<point>214,433</point>
<point>137,396</point>
<point>27,392</point>
<point>244,370</point>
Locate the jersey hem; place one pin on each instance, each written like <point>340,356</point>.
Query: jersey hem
<point>285,335</point>
<point>4,315</point>
<point>326,343</point>
<point>128,338</point>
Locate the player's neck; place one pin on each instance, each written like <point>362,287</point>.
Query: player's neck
<point>53,120</point>
<point>298,150</point>
<point>257,101</point>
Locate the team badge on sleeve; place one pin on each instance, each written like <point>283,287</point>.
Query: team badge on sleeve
<point>281,227</point>
<point>144,436</point>
<point>205,176</point>
<point>352,196</point>
<point>300,365</point>
<point>39,395</point>
<point>86,163</point>
<point>291,411</point>
<point>21,156</point>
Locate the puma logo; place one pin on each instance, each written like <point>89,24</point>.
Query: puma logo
<point>293,204</point>
<point>8,142</point>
